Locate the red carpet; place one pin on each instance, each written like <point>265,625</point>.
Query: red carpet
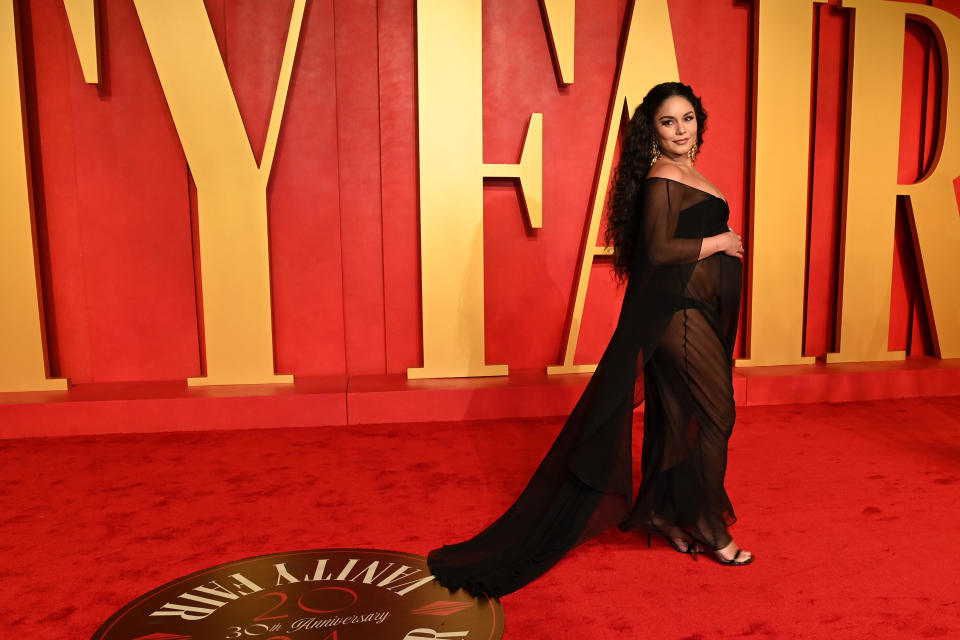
<point>851,510</point>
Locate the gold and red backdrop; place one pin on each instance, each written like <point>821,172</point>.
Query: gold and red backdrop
<point>221,190</point>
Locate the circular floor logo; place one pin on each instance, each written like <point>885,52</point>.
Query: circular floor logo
<point>323,594</point>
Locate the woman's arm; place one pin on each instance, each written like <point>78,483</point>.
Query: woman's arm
<point>658,221</point>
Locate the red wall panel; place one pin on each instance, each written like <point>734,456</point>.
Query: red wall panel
<point>396,45</point>
<point>53,171</point>
<point>126,310</point>
<point>304,210</point>
<point>827,156</point>
<point>358,117</point>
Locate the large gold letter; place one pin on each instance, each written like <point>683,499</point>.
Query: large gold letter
<point>231,188</point>
<point>778,234</point>
<point>648,29</point>
<point>449,86</point>
<point>873,123</point>
<point>23,359</point>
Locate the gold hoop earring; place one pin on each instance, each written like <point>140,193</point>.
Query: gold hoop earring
<point>692,153</point>
<point>654,153</point>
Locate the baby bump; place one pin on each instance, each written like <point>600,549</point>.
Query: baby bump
<point>716,282</point>
<point>731,280</point>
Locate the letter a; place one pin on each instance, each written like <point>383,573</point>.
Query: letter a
<point>648,29</point>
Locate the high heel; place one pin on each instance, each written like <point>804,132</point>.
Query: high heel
<point>691,545</point>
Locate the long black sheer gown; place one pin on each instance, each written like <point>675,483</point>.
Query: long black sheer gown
<point>677,325</point>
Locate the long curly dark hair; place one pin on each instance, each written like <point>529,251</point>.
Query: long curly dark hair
<point>635,156</point>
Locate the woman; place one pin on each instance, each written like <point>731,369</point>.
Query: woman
<point>677,324</point>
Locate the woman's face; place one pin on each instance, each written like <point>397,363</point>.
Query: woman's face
<point>675,125</point>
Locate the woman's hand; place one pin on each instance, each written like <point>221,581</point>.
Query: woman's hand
<point>731,244</point>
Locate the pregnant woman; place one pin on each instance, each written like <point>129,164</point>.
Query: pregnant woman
<point>676,330</point>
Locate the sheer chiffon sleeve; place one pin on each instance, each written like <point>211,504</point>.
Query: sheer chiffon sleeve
<point>660,213</point>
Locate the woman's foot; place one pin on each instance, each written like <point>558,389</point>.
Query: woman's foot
<point>733,555</point>
<point>681,545</point>
<point>675,536</point>
<point>685,545</point>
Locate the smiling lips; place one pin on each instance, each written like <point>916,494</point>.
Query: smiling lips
<point>681,141</point>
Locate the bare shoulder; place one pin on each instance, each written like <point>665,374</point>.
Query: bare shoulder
<point>666,170</point>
